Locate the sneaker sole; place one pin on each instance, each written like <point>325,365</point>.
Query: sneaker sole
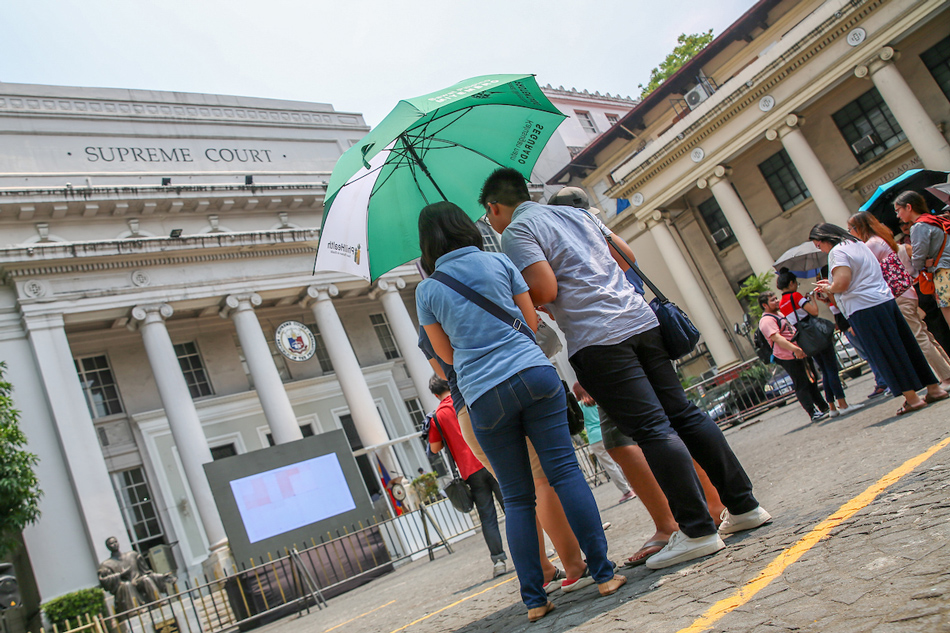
<point>682,557</point>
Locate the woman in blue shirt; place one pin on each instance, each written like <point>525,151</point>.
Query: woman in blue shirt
<point>513,392</point>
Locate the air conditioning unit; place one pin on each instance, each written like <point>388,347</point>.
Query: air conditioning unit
<point>697,95</point>
<point>863,144</point>
<point>721,235</point>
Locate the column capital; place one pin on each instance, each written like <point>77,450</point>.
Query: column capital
<point>152,312</point>
<point>789,124</point>
<point>879,60</point>
<point>238,303</point>
<point>389,284</point>
<point>651,219</point>
<point>719,173</point>
<point>322,293</point>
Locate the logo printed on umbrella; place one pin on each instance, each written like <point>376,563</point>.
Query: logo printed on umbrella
<point>529,137</point>
<point>345,250</point>
<point>462,92</point>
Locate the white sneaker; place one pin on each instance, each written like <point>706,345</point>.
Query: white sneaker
<point>834,413</point>
<point>732,523</point>
<point>499,569</point>
<point>851,408</point>
<point>682,548</point>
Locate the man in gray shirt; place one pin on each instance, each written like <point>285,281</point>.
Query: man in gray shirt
<point>615,347</point>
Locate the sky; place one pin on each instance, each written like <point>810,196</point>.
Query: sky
<point>359,55</point>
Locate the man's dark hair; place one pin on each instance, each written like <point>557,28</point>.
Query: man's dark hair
<point>443,228</point>
<point>764,298</point>
<point>438,386</point>
<point>505,186</point>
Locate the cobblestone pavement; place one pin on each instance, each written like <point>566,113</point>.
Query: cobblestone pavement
<point>884,569</point>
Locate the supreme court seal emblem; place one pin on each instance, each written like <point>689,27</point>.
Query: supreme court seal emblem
<point>295,341</point>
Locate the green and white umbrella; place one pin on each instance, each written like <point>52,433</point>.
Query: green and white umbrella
<point>440,146</point>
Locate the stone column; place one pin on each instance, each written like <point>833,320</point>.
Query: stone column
<point>750,241</point>
<point>270,389</point>
<point>700,311</point>
<point>824,192</point>
<point>181,413</point>
<point>923,135</point>
<point>366,418</point>
<point>85,466</point>
<point>407,337</point>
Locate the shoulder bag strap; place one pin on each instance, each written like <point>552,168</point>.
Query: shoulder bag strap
<point>445,445</point>
<point>484,303</point>
<point>607,236</point>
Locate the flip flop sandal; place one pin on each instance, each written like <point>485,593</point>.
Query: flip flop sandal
<point>906,408</point>
<point>643,554</point>
<point>929,399</point>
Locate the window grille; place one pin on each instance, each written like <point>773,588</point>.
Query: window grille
<point>937,60</point>
<point>416,414</point>
<point>138,509</point>
<point>193,370</point>
<point>98,385</point>
<point>868,126</point>
<point>587,123</point>
<point>716,223</point>
<point>385,336</point>
<point>784,180</point>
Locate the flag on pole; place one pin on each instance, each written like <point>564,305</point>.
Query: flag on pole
<point>385,478</point>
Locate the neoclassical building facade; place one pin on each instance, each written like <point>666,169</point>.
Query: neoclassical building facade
<point>150,245</point>
<point>792,116</point>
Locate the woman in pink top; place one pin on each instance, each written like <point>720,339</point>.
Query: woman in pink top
<point>880,240</point>
<point>790,357</point>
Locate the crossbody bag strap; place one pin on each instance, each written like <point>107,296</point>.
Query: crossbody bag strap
<point>484,303</point>
<point>777,320</point>
<point>445,445</point>
<point>607,236</point>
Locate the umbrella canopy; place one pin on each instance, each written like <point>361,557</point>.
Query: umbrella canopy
<point>941,192</point>
<point>881,203</point>
<point>805,260</point>
<point>440,146</point>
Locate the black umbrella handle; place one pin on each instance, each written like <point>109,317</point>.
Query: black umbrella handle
<point>422,165</point>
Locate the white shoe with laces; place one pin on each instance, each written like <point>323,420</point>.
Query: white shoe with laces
<point>732,523</point>
<point>682,548</point>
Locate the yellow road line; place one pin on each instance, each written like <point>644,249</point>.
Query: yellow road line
<point>796,551</point>
<point>457,602</point>
<point>359,616</point>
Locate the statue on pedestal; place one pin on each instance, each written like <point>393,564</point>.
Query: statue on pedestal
<point>128,577</point>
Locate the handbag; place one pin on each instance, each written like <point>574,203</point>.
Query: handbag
<point>679,334</point>
<point>895,275</point>
<point>814,335</point>
<point>925,280</point>
<point>458,492</point>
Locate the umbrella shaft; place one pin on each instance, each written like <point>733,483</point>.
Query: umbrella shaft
<point>422,165</point>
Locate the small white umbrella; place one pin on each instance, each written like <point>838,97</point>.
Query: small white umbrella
<point>805,260</point>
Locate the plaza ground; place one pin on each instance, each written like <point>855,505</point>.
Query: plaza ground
<point>884,568</point>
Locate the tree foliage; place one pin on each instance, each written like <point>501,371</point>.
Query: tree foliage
<point>752,288</point>
<point>686,48</point>
<point>19,487</point>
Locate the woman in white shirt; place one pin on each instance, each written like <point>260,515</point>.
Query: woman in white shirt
<point>880,240</point>
<point>863,296</point>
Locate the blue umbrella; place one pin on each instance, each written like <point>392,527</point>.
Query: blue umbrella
<point>881,203</point>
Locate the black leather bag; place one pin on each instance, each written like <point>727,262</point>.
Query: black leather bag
<point>458,492</point>
<point>815,335</point>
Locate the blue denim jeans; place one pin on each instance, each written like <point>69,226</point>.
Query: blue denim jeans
<point>532,404</point>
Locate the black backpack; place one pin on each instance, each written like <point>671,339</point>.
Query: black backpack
<point>764,347</point>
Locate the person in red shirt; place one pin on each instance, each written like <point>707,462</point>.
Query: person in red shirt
<point>483,486</point>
